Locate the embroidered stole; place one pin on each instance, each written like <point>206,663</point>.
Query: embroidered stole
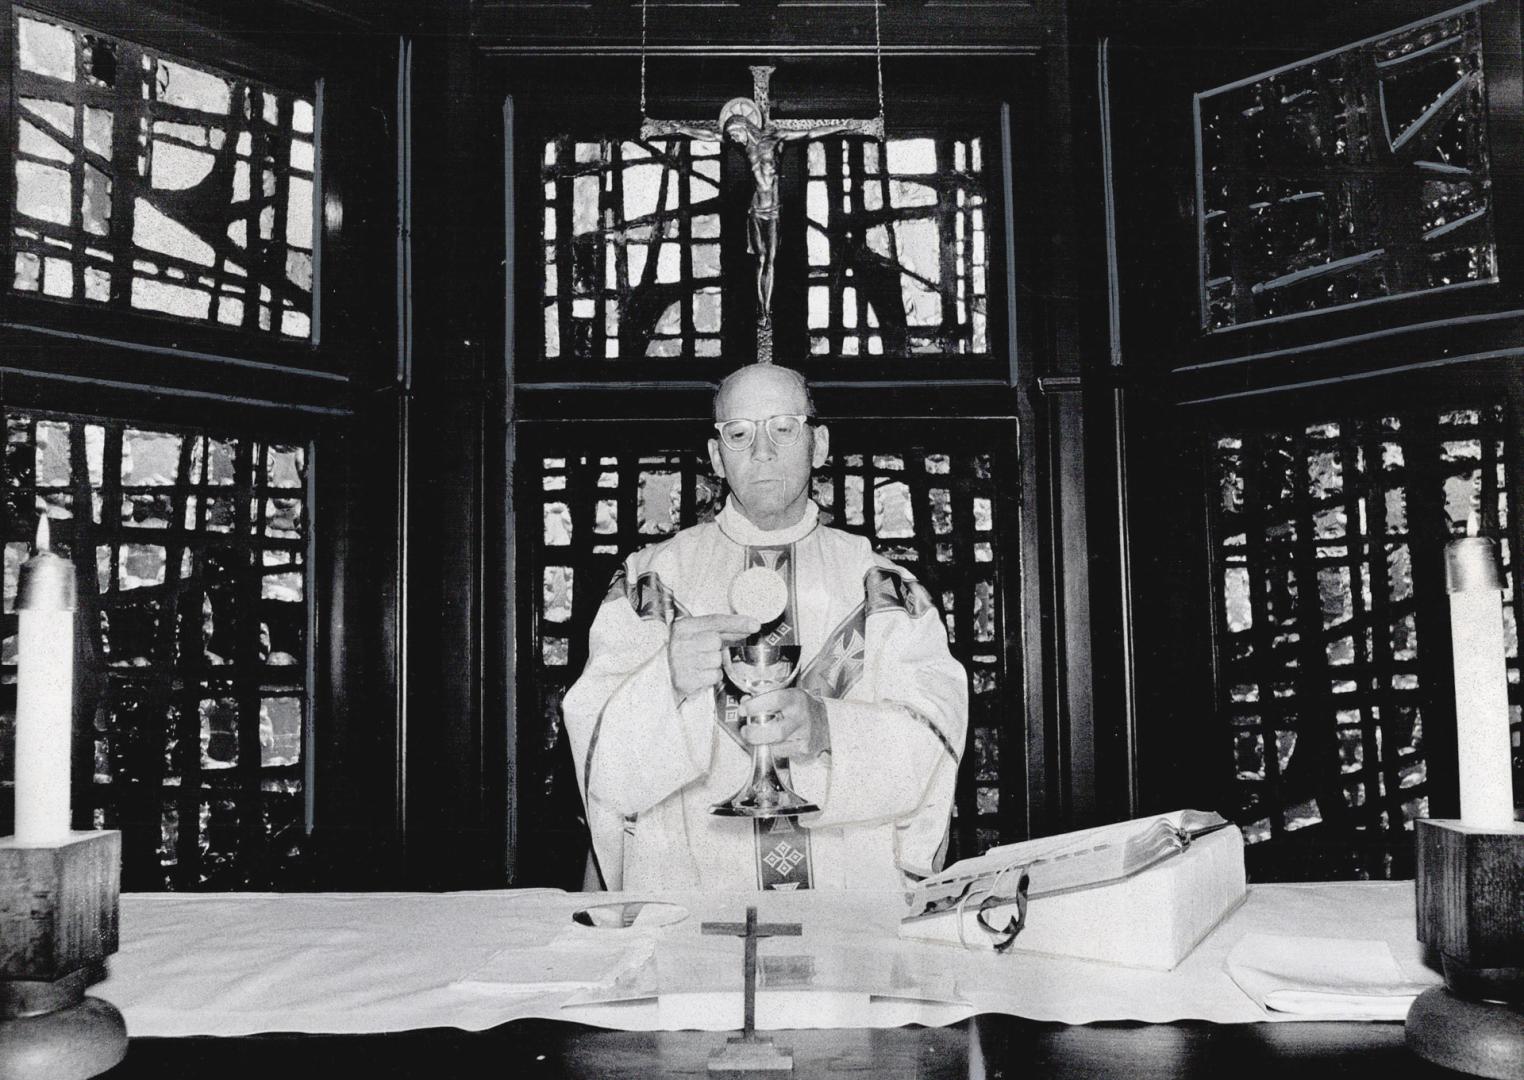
<point>781,846</point>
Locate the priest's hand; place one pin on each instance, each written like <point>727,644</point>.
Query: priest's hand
<point>693,650</point>
<point>802,731</point>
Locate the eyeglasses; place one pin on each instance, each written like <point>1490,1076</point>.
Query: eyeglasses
<point>739,434</point>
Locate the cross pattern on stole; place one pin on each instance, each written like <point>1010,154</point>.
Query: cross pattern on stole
<point>749,1053</point>
<point>784,857</point>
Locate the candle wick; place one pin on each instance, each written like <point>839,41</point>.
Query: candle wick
<point>44,540</point>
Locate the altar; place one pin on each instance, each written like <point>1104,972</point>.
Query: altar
<point>237,980</point>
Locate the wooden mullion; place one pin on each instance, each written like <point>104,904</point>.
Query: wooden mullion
<point>565,173</point>
<point>835,186</point>
<point>998,820</point>
<point>854,238</point>
<point>608,158</point>
<point>272,261</point>
<point>621,292</point>
<point>76,184</point>
<point>161,692</point>
<point>947,244</point>
<point>918,482</point>
<point>249,483</point>
<point>1360,547</point>
<point>1513,472</point>
<point>581,501</point>
<point>252,242</point>
<point>627,537</point>
<point>91,689</point>
<point>1011,772</point>
<point>127,109</point>
<point>1263,666</point>
<point>681,169</point>
<point>1317,728</point>
<point>688,473</point>
<point>194,683</point>
<point>1384,769</point>
<point>961,537</point>
<point>1428,535</point>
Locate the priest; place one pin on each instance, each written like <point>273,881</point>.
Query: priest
<point>872,729</point>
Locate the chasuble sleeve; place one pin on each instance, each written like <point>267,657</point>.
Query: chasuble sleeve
<point>633,743</point>
<point>897,734</point>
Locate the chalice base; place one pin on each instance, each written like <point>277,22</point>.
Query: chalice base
<point>747,803</point>
<point>767,793</point>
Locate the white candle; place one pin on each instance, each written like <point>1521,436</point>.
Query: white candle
<point>1481,683</point>
<point>44,694</point>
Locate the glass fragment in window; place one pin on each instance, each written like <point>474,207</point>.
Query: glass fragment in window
<point>209,217</point>
<point>1357,176</point>
<point>632,254</point>
<point>897,247</point>
<point>200,623</point>
<point>1335,685</point>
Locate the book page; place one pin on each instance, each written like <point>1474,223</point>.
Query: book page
<point>1067,861</point>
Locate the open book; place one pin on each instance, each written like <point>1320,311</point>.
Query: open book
<point>1059,864</point>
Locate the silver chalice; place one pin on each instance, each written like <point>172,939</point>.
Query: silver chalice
<point>758,669</point>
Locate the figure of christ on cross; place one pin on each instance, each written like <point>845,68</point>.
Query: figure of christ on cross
<point>748,123</point>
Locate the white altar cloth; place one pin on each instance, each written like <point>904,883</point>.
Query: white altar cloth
<point>239,964</point>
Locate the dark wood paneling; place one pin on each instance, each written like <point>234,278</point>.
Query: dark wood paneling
<point>456,757</point>
<point>798,27</point>
<point>993,1046</point>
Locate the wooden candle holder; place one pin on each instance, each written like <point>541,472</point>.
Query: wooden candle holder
<point>58,923</point>
<point>1470,892</point>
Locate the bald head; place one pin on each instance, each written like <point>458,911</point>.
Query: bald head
<point>769,480</point>
<point>761,376</point>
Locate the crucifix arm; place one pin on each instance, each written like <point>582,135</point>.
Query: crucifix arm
<point>650,128</point>
<point>793,130</point>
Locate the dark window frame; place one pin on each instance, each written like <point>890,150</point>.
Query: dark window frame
<point>157,372</point>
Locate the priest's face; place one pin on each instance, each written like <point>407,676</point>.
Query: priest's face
<point>770,483</point>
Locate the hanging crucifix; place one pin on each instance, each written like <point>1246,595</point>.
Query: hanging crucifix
<point>749,123</point>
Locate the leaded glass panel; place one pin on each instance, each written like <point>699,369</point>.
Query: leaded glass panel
<point>933,503</point>
<point>1329,543</point>
<point>1358,175</point>
<point>191,552</point>
<point>898,247</point>
<point>146,183</point>
<point>632,249</point>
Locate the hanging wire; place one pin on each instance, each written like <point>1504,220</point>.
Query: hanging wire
<point>878,57</point>
<point>643,4</point>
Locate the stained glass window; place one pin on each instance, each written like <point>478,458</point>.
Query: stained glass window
<point>1329,542</point>
<point>632,249</point>
<point>146,183</point>
<point>898,247</point>
<point>192,568</point>
<point>1358,175</point>
<point>927,500</point>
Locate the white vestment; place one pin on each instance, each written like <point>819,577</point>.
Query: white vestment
<point>873,647</point>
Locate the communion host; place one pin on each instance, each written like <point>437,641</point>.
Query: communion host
<point>872,728</point>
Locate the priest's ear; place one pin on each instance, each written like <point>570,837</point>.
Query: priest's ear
<point>820,438</point>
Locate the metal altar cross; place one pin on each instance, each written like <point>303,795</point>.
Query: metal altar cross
<point>750,1052</point>
<point>750,123</point>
